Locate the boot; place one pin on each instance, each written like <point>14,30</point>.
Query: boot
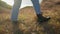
<point>42,19</point>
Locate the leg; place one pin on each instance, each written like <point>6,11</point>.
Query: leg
<point>38,11</point>
<point>15,10</point>
<point>36,6</point>
<point>14,16</point>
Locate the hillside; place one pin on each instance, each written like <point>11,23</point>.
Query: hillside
<point>4,4</point>
<point>28,20</point>
<point>4,7</point>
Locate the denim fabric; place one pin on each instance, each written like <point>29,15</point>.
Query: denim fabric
<point>36,6</point>
<point>17,4</point>
<point>15,10</point>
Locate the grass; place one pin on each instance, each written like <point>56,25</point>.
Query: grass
<point>28,24</point>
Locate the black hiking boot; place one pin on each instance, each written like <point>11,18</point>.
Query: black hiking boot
<point>42,19</point>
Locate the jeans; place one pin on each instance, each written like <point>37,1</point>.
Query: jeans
<point>17,4</point>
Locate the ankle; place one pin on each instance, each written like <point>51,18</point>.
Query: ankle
<point>39,15</point>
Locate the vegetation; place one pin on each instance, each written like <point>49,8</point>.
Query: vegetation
<point>27,20</point>
<point>5,5</point>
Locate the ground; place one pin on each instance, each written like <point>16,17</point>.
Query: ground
<point>27,19</point>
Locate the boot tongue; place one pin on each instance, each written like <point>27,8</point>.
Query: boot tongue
<point>39,15</point>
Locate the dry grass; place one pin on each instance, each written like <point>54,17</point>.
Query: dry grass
<point>28,21</point>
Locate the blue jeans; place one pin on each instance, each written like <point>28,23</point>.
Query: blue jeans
<point>17,4</point>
